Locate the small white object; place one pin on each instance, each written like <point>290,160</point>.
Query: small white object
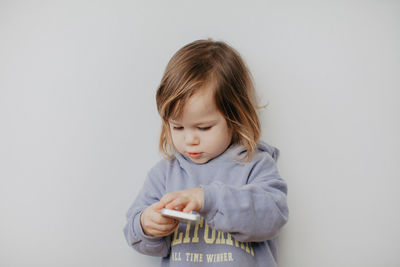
<point>181,216</point>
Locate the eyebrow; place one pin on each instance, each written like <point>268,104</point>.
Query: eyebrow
<point>198,123</point>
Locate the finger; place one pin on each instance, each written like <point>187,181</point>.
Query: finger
<point>165,227</point>
<point>178,204</point>
<point>163,220</point>
<point>157,233</point>
<point>158,206</point>
<point>163,230</point>
<point>173,229</point>
<point>167,198</point>
<point>190,207</point>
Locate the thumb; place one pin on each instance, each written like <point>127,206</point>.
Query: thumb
<point>158,206</point>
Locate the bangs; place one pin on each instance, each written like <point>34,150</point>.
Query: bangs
<point>175,102</point>
<point>177,109</point>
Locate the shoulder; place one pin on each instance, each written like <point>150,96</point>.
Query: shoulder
<point>264,160</point>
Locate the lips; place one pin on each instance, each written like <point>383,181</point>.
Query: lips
<point>194,155</point>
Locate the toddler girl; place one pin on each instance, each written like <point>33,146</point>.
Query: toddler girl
<point>214,164</point>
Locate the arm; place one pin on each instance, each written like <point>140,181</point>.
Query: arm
<point>252,212</point>
<point>150,194</point>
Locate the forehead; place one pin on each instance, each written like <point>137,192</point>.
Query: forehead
<point>199,107</point>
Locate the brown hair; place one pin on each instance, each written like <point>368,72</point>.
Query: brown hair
<point>217,65</point>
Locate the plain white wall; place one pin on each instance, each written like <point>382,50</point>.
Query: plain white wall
<point>79,127</point>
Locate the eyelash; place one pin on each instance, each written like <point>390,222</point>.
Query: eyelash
<point>200,128</point>
<point>204,128</point>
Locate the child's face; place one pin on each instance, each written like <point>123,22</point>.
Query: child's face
<point>201,133</point>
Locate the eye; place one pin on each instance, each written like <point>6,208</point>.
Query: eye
<point>204,128</point>
<point>178,128</point>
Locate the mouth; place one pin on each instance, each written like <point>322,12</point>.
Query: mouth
<point>194,155</point>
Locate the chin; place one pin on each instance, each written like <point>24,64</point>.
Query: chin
<point>201,161</point>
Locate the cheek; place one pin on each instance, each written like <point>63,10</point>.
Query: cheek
<point>224,131</point>
<point>219,137</point>
<point>179,140</point>
<point>174,138</point>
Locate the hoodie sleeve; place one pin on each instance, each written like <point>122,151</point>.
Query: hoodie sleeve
<point>151,192</point>
<point>253,212</point>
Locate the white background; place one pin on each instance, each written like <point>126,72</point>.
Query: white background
<point>79,127</point>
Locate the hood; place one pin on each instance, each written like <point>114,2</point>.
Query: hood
<point>238,150</point>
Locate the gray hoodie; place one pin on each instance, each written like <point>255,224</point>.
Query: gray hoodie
<point>244,208</point>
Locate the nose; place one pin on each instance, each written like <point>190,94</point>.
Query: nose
<point>191,139</point>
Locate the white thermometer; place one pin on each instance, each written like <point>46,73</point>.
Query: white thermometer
<point>181,216</point>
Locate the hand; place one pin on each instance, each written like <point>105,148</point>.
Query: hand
<point>154,224</point>
<point>186,200</point>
